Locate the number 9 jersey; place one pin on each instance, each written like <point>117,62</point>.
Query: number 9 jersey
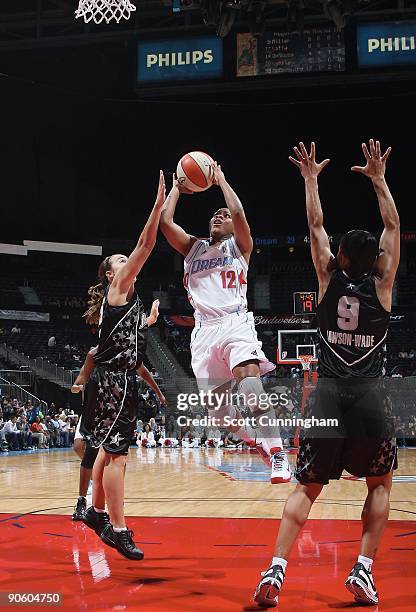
<point>216,279</point>
<point>353,328</point>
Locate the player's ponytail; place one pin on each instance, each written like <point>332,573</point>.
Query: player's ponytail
<point>96,293</point>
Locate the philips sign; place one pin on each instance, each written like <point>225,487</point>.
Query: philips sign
<point>178,59</point>
<point>386,44</point>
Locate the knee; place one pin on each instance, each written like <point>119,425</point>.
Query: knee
<point>78,446</point>
<point>115,462</point>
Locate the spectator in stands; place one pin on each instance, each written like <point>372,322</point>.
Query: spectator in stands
<point>155,428</point>
<point>172,429</point>
<point>15,329</point>
<point>48,442</point>
<point>231,440</point>
<point>52,431</point>
<point>25,433</point>
<point>138,430</point>
<point>52,342</point>
<point>64,428</point>
<point>34,412</point>
<point>147,437</point>
<point>12,434</point>
<point>38,433</point>
<point>57,427</point>
<point>8,409</point>
<point>190,438</point>
<point>213,438</point>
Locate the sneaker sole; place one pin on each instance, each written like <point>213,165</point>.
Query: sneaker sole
<point>279,480</point>
<point>127,555</point>
<point>360,593</point>
<point>267,596</point>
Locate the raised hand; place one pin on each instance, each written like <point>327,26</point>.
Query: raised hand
<point>181,188</point>
<point>154,313</point>
<point>161,191</point>
<point>306,162</point>
<point>375,167</point>
<point>218,174</point>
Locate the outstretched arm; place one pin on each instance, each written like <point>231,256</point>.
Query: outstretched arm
<point>174,233</point>
<point>85,372</point>
<point>149,380</point>
<point>375,169</point>
<point>320,248</point>
<point>242,234</point>
<point>124,278</point>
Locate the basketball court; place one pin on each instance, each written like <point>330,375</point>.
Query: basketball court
<point>206,518</point>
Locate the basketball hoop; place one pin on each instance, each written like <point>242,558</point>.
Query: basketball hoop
<point>306,361</point>
<point>104,10</point>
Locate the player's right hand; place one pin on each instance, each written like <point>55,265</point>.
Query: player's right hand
<point>306,162</point>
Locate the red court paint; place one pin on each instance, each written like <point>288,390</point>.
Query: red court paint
<point>199,564</point>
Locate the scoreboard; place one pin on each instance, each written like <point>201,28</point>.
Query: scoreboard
<point>276,52</point>
<point>304,302</point>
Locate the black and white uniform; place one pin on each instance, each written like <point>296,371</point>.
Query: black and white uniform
<point>110,413</point>
<point>224,334</point>
<point>353,327</point>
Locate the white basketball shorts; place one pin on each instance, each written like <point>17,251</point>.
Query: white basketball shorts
<point>77,435</point>
<point>219,345</point>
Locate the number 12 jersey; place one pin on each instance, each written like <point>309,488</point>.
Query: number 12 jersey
<point>216,279</point>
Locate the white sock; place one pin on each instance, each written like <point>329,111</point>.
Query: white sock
<point>99,510</point>
<point>279,561</point>
<point>366,561</point>
<point>118,529</point>
<point>252,391</point>
<point>271,445</point>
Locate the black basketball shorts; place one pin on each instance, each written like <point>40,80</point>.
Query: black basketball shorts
<point>361,438</point>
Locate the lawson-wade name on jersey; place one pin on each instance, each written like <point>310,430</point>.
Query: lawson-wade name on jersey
<point>345,339</point>
<point>207,264</point>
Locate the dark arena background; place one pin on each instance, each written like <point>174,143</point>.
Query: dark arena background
<point>89,115</point>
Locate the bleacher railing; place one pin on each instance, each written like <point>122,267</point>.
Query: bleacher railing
<point>12,389</point>
<point>40,366</point>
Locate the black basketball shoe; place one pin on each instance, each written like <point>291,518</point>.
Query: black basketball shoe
<point>361,584</point>
<point>268,589</point>
<point>80,509</point>
<point>96,520</point>
<point>123,542</point>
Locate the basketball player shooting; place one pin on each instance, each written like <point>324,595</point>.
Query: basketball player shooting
<point>355,296</point>
<point>224,344</point>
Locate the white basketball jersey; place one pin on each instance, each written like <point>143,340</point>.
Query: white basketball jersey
<point>216,279</point>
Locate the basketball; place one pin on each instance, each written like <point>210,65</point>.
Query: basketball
<point>195,172</point>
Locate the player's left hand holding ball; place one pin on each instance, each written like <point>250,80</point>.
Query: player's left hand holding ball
<point>181,188</point>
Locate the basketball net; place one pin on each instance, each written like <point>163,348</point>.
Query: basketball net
<point>104,10</point>
<point>308,385</point>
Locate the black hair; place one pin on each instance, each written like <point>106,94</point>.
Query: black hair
<point>361,248</point>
